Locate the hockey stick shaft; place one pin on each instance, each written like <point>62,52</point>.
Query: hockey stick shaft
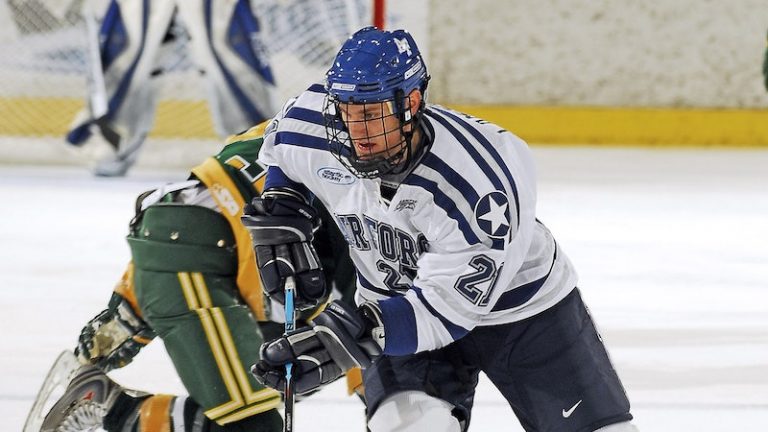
<point>290,325</point>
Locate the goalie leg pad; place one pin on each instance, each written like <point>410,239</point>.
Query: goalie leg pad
<point>112,41</point>
<point>226,45</point>
<point>112,35</point>
<point>413,411</point>
<point>243,37</point>
<point>128,56</point>
<point>129,38</point>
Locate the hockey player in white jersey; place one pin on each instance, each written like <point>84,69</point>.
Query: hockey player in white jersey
<point>226,48</point>
<point>455,274</point>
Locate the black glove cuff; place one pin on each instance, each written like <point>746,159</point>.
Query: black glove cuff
<point>347,334</point>
<point>285,202</point>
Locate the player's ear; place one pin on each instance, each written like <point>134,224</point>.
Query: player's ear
<point>414,100</point>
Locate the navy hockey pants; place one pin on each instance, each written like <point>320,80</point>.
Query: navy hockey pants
<point>552,368</point>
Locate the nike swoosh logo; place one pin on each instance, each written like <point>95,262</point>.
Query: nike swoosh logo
<point>568,413</point>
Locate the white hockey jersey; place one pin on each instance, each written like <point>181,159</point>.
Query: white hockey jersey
<point>457,246</point>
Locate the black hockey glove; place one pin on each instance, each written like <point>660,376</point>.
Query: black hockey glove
<point>340,338</point>
<point>112,338</point>
<point>282,226</point>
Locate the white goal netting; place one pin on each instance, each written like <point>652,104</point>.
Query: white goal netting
<point>43,62</point>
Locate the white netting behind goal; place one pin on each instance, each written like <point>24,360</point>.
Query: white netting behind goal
<point>43,62</point>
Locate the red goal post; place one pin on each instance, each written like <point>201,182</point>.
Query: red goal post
<point>379,14</point>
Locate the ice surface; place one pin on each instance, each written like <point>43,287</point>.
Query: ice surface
<point>671,247</point>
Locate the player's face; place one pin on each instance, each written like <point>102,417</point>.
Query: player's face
<point>373,128</point>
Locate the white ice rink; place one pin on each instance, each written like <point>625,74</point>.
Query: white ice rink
<point>671,247</point>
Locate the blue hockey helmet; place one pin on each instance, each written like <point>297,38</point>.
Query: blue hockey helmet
<point>376,67</point>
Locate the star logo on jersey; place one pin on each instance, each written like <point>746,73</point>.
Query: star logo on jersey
<point>492,214</point>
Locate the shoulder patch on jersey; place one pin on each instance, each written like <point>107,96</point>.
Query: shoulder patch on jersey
<point>492,214</point>
<point>336,176</point>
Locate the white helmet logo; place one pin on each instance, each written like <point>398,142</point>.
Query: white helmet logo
<point>403,46</point>
<point>343,86</point>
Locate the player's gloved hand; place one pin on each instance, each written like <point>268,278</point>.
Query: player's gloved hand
<point>112,338</point>
<point>282,226</point>
<point>340,338</point>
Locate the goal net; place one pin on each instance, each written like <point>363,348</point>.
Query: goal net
<point>44,63</point>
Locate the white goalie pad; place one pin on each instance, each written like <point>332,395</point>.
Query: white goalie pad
<point>54,385</point>
<point>239,95</point>
<point>122,92</point>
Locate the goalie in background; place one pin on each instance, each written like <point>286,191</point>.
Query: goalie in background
<point>194,283</point>
<point>126,55</point>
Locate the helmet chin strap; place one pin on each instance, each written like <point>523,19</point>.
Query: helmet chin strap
<point>407,118</point>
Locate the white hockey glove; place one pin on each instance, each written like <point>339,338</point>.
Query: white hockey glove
<point>112,338</point>
<point>282,227</point>
<point>340,338</point>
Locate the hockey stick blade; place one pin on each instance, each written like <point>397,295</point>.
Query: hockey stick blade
<point>59,376</point>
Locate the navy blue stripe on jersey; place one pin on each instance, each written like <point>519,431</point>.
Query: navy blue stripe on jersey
<point>304,114</point>
<point>452,177</point>
<point>457,332</point>
<point>492,151</point>
<point>460,184</point>
<point>446,203</point>
<point>471,150</point>
<point>276,178</point>
<point>399,326</point>
<point>301,140</point>
<point>428,125</point>
<point>365,283</point>
<point>523,293</point>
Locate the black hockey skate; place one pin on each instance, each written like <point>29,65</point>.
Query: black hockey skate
<point>87,399</point>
